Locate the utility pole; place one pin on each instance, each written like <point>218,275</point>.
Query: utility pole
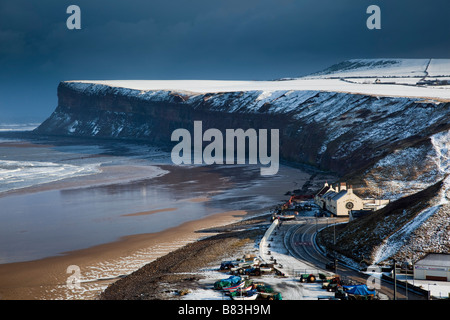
<point>406,279</point>
<point>395,282</point>
<point>406,284</point>
<point>335,265</point>
<point>334,230</point>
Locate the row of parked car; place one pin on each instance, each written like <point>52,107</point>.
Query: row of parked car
<point>248,265</point>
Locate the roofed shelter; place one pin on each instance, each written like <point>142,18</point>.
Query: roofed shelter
<point>434,266</point>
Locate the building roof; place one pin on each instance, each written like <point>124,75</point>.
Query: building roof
<point>323,191</point>
<point>339,195</point>
<point>435,259</point>
<point>329,195</point>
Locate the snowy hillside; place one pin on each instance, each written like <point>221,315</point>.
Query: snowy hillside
<point>386,68</point>
<point>408,72</point>
<point>409,170</point>
<point>405,230</point>
<point>404,173</point>
<point>377,68</point>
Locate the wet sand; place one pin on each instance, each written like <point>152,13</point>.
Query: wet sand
<point>46,278</point>
<point>148,212</point>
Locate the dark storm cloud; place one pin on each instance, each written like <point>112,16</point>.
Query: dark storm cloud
<point>209,39</point>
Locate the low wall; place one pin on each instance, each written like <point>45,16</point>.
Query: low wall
<point>411,287</point>
<point>264,239</point>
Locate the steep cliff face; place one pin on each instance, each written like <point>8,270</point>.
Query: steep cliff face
<point>336,131</point>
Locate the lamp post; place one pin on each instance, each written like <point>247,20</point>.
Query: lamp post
<point>406,264</point>
<point>395,282</point>
<point>334,244</point>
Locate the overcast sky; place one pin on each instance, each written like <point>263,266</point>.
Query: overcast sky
<point>199,39</point>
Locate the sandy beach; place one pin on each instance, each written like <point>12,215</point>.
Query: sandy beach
<point>46,278</point>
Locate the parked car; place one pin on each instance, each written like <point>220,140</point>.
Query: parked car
<point>330,266</point>
<point>227,265</point>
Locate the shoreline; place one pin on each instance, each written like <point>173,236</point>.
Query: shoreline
<point>46,278</point>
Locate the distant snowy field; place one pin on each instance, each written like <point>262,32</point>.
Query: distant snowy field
<point>400,71</point>
<point>439,68</point>
<point>382,68</point>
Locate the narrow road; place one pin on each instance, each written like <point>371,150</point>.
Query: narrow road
<point>301,245</point>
